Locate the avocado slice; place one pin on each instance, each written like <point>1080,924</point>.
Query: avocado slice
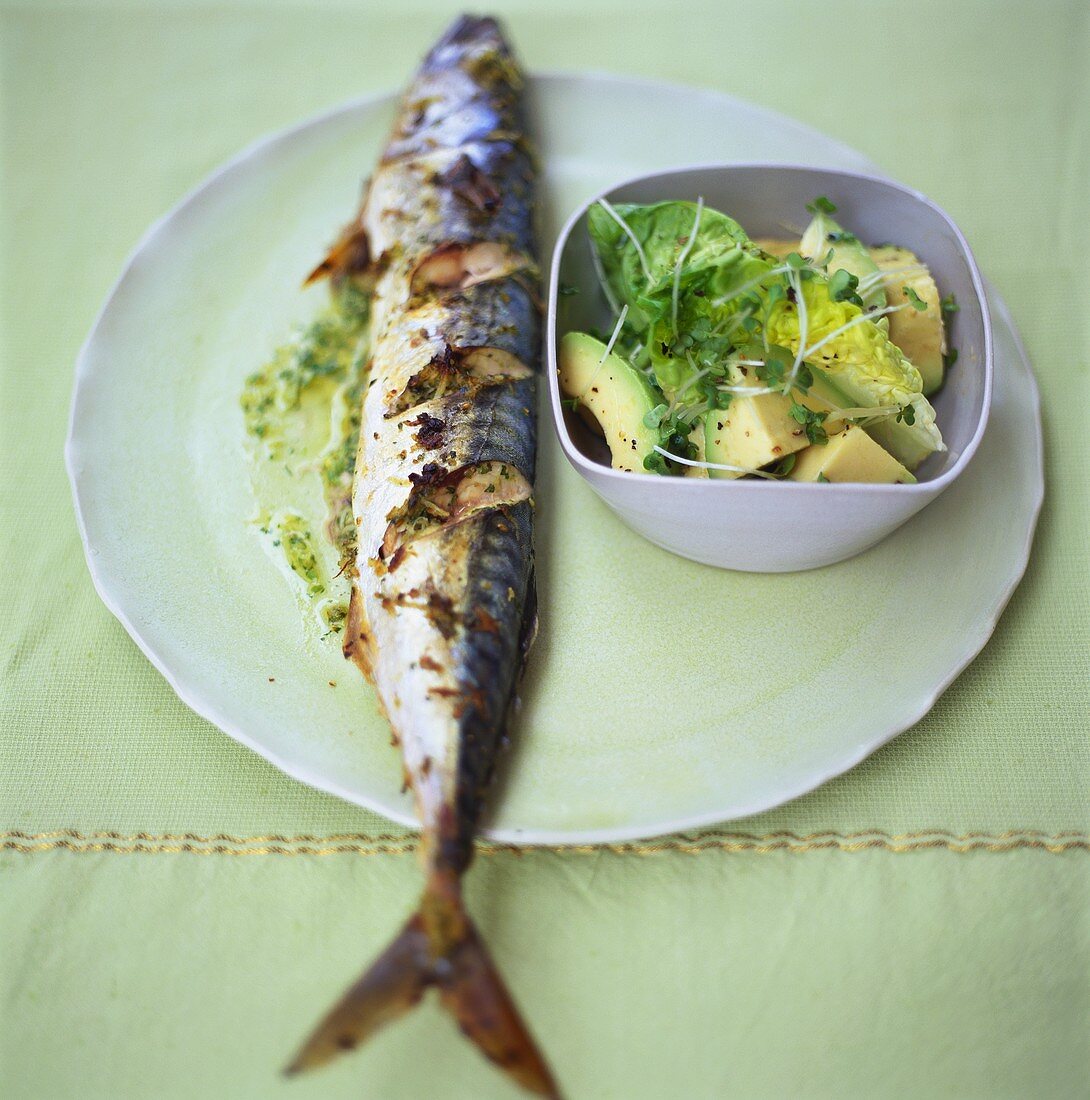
<point>779,247</point>
<point>751,433</point>
<point>851,456</point>
<point>918,333</point>
<point>614,393</point>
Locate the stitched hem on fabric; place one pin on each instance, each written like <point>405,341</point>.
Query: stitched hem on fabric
<point>389,844</point>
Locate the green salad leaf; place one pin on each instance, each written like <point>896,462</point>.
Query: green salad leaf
<point>721,257</point>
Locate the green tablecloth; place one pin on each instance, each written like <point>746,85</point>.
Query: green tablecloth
<point>175,912</point>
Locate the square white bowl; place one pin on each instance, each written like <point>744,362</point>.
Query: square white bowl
<point>781,526</point>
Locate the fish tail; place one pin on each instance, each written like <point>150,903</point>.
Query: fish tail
<point>440,947</point>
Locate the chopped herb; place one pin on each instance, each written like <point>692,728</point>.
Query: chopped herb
<point>326,349</point>
<point>335,615</point>
<point>298,547</point>
<point>950,358</point>
<point>907,413</point>
<point>822,479</point>
<point>566,290</point>
<point>949,304</point>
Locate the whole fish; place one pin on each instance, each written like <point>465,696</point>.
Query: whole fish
<point>443,601</point>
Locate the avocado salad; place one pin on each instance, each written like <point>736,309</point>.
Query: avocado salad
<point>807,360</point>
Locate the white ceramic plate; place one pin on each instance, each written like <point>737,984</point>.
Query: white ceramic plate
<point>662,694</point>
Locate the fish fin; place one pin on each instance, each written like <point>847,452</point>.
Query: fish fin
<point>356,644</point>
<point>474,994</point>
<point>452,957</point>
<point>392,985</point>
<point>350,254</point>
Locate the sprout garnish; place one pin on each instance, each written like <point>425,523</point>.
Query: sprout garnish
<point>608,208</point>
<point>682,256</point>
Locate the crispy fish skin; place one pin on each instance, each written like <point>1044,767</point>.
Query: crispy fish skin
<point>443,603</point>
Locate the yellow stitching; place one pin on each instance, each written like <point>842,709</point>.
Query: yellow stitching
<point>303,838</point>
<point>393,838</point>
<point>222,844</point>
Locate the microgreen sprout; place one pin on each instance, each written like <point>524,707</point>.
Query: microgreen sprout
<point>682,256</point>
<point>603,282</point>
<point>605,354</point>
<point>616,332</point>
<point>812,422</point>
<point>868,282</point>
<point>608,208</point>
<point>800,305</point>
<point>875,412</point>
<point>653,418</point>
<point>821,205</point>
<point>844,286</point>
<point>914,299</point>
<point>784,466</point>
<point>699,465</point>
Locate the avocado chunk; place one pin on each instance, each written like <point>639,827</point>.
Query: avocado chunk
<point>918,333</point>
<point>750,433</point>
<point>617,396</point>
<point>850,455</point>
<point>777,246</point>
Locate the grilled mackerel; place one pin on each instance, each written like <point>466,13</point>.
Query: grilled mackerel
<point>443,601</point>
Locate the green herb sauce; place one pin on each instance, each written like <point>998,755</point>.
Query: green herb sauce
<point>301,414</point>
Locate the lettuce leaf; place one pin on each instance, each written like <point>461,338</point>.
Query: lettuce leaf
<point>864,365</point>
<point>721,258</point>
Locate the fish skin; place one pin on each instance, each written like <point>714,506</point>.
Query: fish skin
<point>444,599</point>
<point>456,200</point>
<point>468,87</point>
